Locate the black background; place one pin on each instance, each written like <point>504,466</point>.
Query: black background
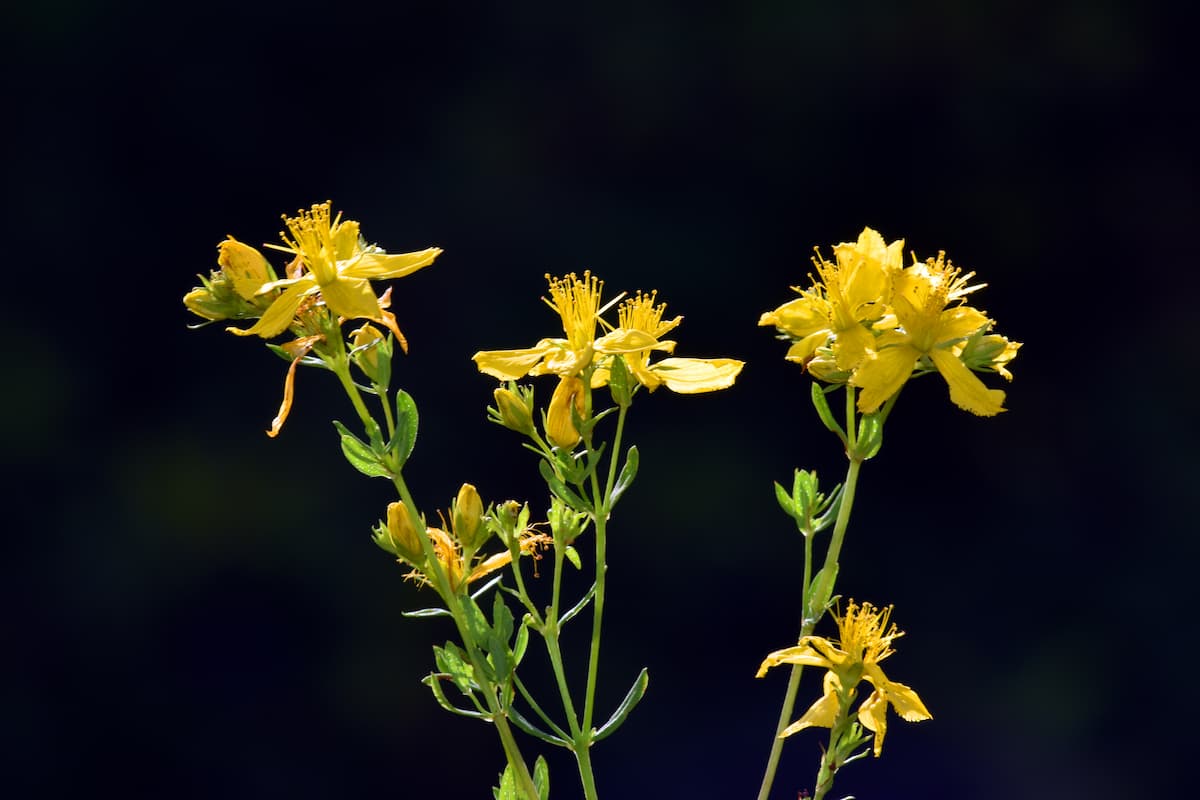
<point>194,610</point>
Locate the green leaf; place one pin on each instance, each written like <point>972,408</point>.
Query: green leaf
<point>561,490</point>
<point>360,455</point>
<point>628,473</point>
<point>405,437</point>
<point>822,405</point>
<point>524,724</point>
<point>619,382</point>
<point>575,609</point>
<point>870,436</point>
<point>635,695</point>
<point>450,661</point>
<point>426,612</point>
<point>433,681</point>
<point>785,501</point>
<point>573,556</point>
<point>508,785</point>
<point>522,641</point>
<point>819,591</point>
<point>541,778</point>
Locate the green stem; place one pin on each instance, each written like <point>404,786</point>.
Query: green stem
<point>831,558</point>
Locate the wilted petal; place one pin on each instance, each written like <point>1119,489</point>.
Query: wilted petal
<point>297,350</point>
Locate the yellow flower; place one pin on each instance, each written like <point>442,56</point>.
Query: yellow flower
<point>638,333</point>
<point>332,261</point>
<point>865,640</point>
<point>932,325</point>
<point>842,307</point>
<point>577,302</point>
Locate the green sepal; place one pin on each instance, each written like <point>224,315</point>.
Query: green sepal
<point>819,594</point>
<point>628,473</point>
<point>560,489</point>
<point>627,705</point>
<point>823,411</point>
<point>785,501</point>
<point>573,556</point>
<point>508,786</point>
<point>404,439</point>
<point>360,455</point>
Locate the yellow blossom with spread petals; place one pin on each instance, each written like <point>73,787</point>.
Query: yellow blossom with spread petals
<point>846,301</point>
<point>865,639</point>
<point>333,263</point>
<point>931,324</point>
<point>577,303</point>
<point>638,333</point>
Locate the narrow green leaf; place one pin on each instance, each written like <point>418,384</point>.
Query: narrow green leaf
<point>450,661</point>
<point>628,473</point>
<point>822,406</point>
<point>870,435</point>
<point>524,724</point>
<point>631,700</point>
<point>575,609</point>
<point>819,593</point>
<point>522,641</point>
<point>433,681</point>
<point>426,612</point>
<point>405,438</point>
<point>359,454</point>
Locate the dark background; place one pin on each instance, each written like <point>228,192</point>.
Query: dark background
<point>194,610</point>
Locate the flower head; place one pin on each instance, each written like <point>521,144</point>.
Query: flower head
<point>577,303</point>
<point>332,262</point>
<point>639,331</point>
<point>865,639</point>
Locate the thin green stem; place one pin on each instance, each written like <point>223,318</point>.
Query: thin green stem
<point>831,559</point>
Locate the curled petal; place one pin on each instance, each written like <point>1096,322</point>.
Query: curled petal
<point>873,716</point>
<point>801,654</point>
<point>820,714</point>
<point>511,365</point>
<point>281,313</point>
<point>297,350</point>
<point>696,375</point>
<point>880,376</point>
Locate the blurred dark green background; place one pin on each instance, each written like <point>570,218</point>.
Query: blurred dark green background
<point>194,610</point>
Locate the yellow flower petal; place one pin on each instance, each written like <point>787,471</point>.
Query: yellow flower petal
<point>800,654</point>
<point>351,298</point>
<point>873,716</point>
<point>377,266</point>
<point>880,376</point>
<point>510,365</point>
<point>820,714</point>
<point>281,313</point>
<point>245,266</point>
<point>696,375</point>
<point>906,702</point>
<point>629,341</point>
<point>966,390</point>
<point>560,429</point>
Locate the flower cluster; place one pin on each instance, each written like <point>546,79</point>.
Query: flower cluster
<point>865,639</point>
<point>869,321</point>
<point>582,355</point>
<point>328,281</point>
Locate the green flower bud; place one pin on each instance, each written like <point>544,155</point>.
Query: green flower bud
<point>467,518</point>
<point>514,409</point>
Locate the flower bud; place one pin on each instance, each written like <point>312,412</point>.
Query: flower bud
<point>372,353</point>
<point>215,300</point>
<point>402,537</point>
<point>244,266</point>
<point>514,411</point>
<point>560,430</point>
<point>467,516</point>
